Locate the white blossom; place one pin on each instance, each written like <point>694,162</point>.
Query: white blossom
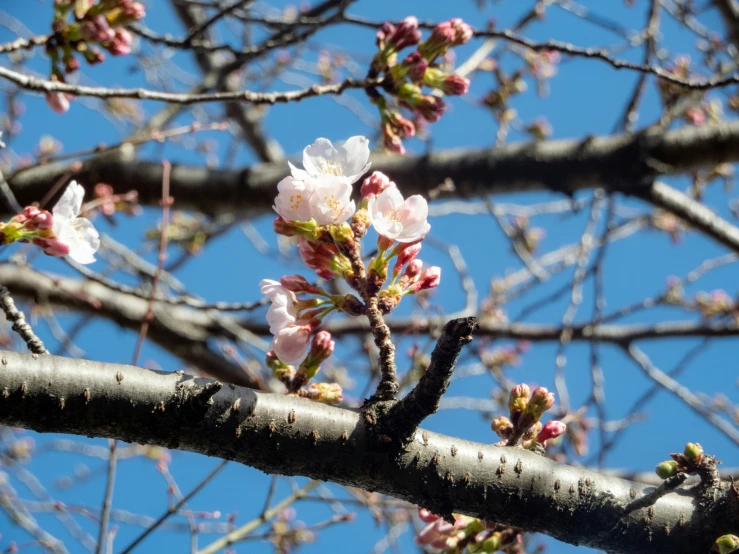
<point>77,233</point>
<point>281,312</point>
<point>332,202</point>
<point>398,219</point>
<point>347,159</point>
<point>293,199</point>
<point>291,344</point>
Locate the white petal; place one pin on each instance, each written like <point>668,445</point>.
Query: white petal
<point>389,199</point>
<point>353,155</point>
<point>70,203</point>
<point>414,232</point>
<point>318,156</point>
<point>291,344</point>
<point>293,198</point>
<point>299,173</point>
<point>268,287</point>
<point>83,240</point>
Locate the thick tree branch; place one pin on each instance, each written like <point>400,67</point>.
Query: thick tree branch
<point>292,436</point>
<point>180,330</point>
<point>623,163</point>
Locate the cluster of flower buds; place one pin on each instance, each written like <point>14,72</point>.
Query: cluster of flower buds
<point>405,79</point>
<point>669,223</point>
<point>529,237</point>
<point>673,92</point>
<point>691,460</point>
<point>93,25</point>
<point>58,233</point>
<point>315,205</point>
<point>287,534</point>
<point>717,303</point>
<point>498,358</point>
<point>726,544</point>
<point>468,533</point>
<point>525,411</point>
<point>109,203</point>
<point>188,231</point>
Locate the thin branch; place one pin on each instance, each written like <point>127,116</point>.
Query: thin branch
<point>20,326</point>
<point>46,86</point>
<point>174,508</point>
<point>681,392</point>
<point>423,401</point>
<point>244,530</point>
<point>108,498</point>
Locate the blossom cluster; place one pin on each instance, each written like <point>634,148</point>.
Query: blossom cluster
<point>404,80</point>
<point>60,232</point>
<point>467,534</point>
<point>94,25</point>
<point>526,408</point>
<point>315,205</point>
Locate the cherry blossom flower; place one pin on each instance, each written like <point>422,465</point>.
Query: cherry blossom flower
<point>399,219</point>
<point>347,159</point>
<point>291,344</point>
<point>331,202</point>
<point>282,312</point>
<point>77,233</point>
<point>293,199</point>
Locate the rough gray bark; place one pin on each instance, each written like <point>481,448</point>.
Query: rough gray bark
<point>291,436</point>
<point>625,163</point>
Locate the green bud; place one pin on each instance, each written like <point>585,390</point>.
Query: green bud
<point>342,234</point>
<point>666,469</point>
<point>693,452</point>
<point>726,544</point>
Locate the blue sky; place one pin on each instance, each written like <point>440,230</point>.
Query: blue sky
<point>586,97</point>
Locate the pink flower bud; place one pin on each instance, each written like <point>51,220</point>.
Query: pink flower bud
<point>375,184</point>
<point>58,102</point>
<point>462,31</point>
<point>384,33</point>
<point>442,37</point>
<point>413,269</point>
<point>298,283</point>
<point>406,256</point>
<point>416,65</point>
<point>401,125</point>
<point>283,227</point>
<point>551,430</point>
<point>406,34</point>
<point>519,398</point>
<point>391,140</point>
<point>323,344</point>
<point>455,85</point>
<point>322,258</point>
<point>120,45</point>
<point>430,278</point>
<point>541,400</point>
<point>431,108</point>
<point>52,246</point>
